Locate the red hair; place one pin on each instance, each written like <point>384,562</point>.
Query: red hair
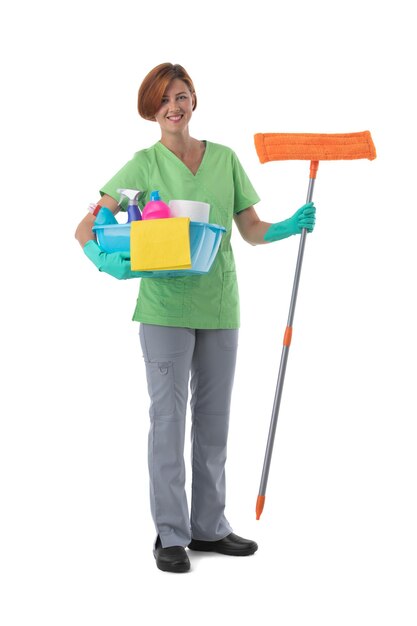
<point>154,86</point>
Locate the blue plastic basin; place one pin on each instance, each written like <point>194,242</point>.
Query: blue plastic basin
<point>205,241</point>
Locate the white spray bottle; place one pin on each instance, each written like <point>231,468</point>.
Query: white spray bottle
<point>133,211</point>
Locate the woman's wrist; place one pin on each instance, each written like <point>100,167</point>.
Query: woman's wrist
<point>94,208</point>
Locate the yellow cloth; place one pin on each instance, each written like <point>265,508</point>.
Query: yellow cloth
<point>161,244</point>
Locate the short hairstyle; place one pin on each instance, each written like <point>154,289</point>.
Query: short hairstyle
<point>154,86</point>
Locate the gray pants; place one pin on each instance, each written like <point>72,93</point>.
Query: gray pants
<point>170,355</point>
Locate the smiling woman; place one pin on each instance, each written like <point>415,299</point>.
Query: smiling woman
<point>155,84</point>
<point>173,117</point>
<point>167,96</point>
<point>188,326</point>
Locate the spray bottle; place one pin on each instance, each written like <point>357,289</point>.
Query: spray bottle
<point>133,212</point>
<point>155,208</point>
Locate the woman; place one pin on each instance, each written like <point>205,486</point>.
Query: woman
<point>188,325</point>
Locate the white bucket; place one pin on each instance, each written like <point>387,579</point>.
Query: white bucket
<point>196,211</point>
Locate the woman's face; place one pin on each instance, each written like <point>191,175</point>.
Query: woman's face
<point>176,108</point>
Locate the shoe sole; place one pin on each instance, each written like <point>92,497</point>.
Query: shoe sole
<point>176,570</point>
<point>179,568</point>
<point>247,552</point>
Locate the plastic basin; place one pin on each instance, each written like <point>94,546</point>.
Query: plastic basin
<point>205,241</point>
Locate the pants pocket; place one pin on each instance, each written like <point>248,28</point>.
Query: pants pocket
<point>160,377</point>
<point>164,342</point>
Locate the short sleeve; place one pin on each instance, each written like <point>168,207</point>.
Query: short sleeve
<point>245,194</point>
<point>133,175</point>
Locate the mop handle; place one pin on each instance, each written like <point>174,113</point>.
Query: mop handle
<point>284,355</point>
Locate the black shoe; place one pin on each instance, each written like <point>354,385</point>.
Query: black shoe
<point>231,545</point>
<point>173,559</point>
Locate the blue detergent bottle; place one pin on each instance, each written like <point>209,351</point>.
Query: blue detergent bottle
<point>105,217</point>
<point>133,211</point>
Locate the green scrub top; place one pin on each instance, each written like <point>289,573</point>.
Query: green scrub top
<point>197,301</point>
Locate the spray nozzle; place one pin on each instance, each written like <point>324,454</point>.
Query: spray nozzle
<point>134,195</point>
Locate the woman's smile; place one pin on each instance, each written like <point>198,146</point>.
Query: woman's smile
<point>175,118</point>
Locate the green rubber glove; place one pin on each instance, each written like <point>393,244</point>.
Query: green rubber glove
<point>116,264</point>
<point>303,218</point>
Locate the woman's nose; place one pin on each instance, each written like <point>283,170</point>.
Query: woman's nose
<point>173,105</point>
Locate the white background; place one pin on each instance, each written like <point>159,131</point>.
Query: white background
<point>337,540</point>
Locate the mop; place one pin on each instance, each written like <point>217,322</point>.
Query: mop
<point>314,148</point>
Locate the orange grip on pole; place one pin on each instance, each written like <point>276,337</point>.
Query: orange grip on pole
<point>288,336</point>
<point>314,166</point>
<point>259,506</point>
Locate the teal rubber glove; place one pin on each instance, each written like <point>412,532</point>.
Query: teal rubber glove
<point>305,217</point>
<point>116,264</point>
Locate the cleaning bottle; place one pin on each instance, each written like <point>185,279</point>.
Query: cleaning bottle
<point>133,211</point>
<point>105,217</point>
<point>155,208</point>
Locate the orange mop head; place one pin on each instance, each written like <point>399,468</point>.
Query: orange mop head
<point>314,146</point>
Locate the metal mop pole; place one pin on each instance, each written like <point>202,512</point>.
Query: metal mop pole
<point>314,147</point>
<point>284,356</point>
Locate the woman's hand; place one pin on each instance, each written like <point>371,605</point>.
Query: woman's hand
<point>256,231</point>
<point>116,264</point>
<point>305,217</point>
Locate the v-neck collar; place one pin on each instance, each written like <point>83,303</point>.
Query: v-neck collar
<point>180,163</point>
